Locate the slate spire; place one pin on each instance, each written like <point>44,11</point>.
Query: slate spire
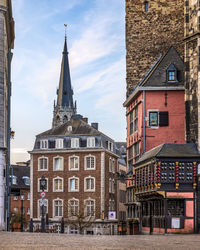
<point>65,106</point>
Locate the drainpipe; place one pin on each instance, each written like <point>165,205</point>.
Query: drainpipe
<point>144,129</point>
<point>7,212</point>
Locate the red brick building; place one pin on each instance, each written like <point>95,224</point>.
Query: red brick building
<point>79,164</point>
<point>20,186</point>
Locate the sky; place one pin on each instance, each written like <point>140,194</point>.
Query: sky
<point>96,45</point>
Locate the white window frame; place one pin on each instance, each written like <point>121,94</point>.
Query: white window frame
<point>110,185</point>
<point>69,182</point>
<point>148,121</point>
<point>85,201</point>
<point>85,165</point>
<point>73,169</point>
<point>85,184</point>
<point>43,157</point>
<point>25,178</point>
<point>74,142</point>
<point>15,197</point>
<point>113,165</point>
<point>45,190</point>
<point>113,186</point>
<point>69,205</point>
<point>57,216</point>
<point>28,196</point>
<point>58,178</point>
<point>62,163</point>
<point>91,142</point>
<point>43,144</point>
<point>38,210</point>
<point>28,210</point>
<point>59,143</point>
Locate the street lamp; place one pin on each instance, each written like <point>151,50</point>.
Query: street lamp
<point>22,212</point>
<point>42,186</point>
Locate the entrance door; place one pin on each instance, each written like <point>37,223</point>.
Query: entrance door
<point>150,219</point>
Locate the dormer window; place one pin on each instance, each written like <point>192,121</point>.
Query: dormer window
<point>172,74</point>
<point>59,143</point>
<point>44,144</point>
<point>26,180</point>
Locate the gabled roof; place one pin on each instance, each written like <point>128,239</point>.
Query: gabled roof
<point>155,78</point>
<point>171,150</point>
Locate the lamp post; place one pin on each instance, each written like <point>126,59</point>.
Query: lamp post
<point>22,212</point>
<point>42,185</point>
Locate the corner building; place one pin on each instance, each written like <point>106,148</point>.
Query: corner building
<point>79,164</point>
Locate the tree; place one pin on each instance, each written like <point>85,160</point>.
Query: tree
<point>80,217</point>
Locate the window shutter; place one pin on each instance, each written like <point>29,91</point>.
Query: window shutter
<point>163,119</point>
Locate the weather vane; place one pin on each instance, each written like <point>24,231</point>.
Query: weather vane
<point>65,29</point>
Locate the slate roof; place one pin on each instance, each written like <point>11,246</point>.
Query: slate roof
<point>79,127</point>
<point>171,150</point>
<point>19,172</point>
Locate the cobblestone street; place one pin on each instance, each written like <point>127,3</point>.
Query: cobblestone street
<point>22,241</point>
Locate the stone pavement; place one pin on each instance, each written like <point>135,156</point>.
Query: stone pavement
<point>45,241</point>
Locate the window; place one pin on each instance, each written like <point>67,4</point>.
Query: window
<point>172,74</point>
<point>153,118</point>
<point>59,143</point>
<point>89,207</point>
<point>26,180</point>
<point>15,209</point>
<point>90,162</point>
<point>43,163</point>
<point>113,166</point>
<point>89,184</point>
<point>58,163</point>
<point>175,207</point>
<point>45,187</point>
<point>73,184</point>
<point>73,230</point>
<point>136,119</point>
<point>15,198</point>
<point>58,208</point>
<point>74,163</point>
<point>146,6</point>
<point>44,144</point>
<point>91,142</point>
<point>110,165</point>
<point>45,203</point>
<point>163,119</point>
<point>28,196</point>
<point>110,185</point>
<point>136,149</point>
<point>75,143</point>
<point>113,186</point>
<point>13,180</point>
<point>73,207</point>
<point>131,122</point>
<point>58,184</point>
<point>28,210</point>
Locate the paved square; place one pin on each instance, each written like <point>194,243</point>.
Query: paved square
<point>45,241</point>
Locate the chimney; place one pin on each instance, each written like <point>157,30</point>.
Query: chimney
<point>85,119</point>
<point>94,125</point>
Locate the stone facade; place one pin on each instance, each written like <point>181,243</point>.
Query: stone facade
<point>192,43</point>
<point>151,33</point>
<point>6,44</point>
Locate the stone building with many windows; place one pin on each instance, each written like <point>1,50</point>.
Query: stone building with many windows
<point>79,164</point>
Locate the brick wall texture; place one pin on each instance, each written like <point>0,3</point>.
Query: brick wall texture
<point>149,34</point>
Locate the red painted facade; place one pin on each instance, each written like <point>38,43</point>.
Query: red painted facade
<point>147,136</point>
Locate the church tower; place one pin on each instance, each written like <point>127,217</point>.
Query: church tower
<point>65,107</point>
<point>152,26</point>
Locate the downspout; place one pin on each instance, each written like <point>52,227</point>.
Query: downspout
<point>144,129</point>
<point>8,145</point>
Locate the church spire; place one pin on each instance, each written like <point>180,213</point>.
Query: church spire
<point>65,107</point>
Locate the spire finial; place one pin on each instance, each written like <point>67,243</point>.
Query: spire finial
<point>65,30</point>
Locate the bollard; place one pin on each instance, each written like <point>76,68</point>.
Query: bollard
<point>31,226</point>
<point>62,226</point>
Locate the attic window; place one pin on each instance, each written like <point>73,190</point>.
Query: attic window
<point>172,74</point>
<point>69,128</point>
<point>26,180</point>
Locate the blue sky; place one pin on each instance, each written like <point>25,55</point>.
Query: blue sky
<point>96,44</point>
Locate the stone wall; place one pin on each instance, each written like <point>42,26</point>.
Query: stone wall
<point>192,42</point>
<point>149,34</point>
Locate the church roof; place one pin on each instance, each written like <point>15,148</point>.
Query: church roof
<point>65,92</point>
